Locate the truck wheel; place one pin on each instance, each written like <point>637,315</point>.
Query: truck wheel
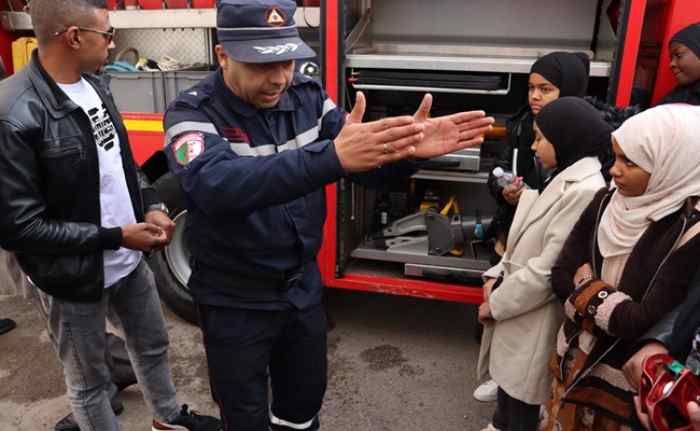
<point>171,266</point>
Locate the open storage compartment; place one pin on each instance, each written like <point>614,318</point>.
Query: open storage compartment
<point>384,232</point>
<point>478,35</point>
<point>469,55</point>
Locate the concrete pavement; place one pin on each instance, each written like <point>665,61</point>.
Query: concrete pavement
<point>394,364</point>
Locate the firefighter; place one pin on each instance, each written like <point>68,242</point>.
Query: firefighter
<point>253,146</point>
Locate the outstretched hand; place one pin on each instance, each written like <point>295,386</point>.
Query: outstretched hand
<point>364,146</point>
<point>449,133</point>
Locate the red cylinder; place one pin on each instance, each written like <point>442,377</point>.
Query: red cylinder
<point>151,4</point>
<point>203,4</point>
<point>112,4</point>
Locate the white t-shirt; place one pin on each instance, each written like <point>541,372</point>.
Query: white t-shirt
<point>115,202</point>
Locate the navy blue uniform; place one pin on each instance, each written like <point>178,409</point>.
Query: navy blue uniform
<point>255,198</point>
<point>253,181</point>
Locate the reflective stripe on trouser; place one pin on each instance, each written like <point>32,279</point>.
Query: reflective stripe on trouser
<point>277,424</point>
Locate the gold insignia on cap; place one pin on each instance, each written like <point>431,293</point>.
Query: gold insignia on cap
<point>275,17</point>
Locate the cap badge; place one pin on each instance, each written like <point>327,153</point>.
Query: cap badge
<point>275,17</point>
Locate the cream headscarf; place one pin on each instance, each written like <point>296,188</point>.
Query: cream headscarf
<point>665,142</point>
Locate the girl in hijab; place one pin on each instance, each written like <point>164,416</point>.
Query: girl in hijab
<point>625,265</point>
<point>685,65</point>
<point>520,311</point>
<point>679,324</point>
<point>558,74</point>
<point>555,75</point>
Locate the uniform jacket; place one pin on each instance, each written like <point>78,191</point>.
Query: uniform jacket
<point>517,346</point>
<point>254,190</point>
<point>50,194</point>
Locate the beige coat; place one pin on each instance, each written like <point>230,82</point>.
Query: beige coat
<point>518,345</point>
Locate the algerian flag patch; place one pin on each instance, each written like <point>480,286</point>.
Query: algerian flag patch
<point>188,147</point>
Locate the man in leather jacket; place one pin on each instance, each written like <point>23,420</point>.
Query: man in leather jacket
<point>78,216</point>
<point>6,325</point>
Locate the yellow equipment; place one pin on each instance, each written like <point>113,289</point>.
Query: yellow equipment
<point>22,51</point>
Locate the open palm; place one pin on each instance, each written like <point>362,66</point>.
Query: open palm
<point>449,133</point>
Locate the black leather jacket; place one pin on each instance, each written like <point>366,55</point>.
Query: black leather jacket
<point>50,185</point>
<point>678,328</point>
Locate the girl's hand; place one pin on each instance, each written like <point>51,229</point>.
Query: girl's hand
<point>511,193</point>
<point>694,414</point>
<point>488,288</point>
<point>583,275</point>
<point>485,313</point>
<point>633,366</point>
<point>643,417</point>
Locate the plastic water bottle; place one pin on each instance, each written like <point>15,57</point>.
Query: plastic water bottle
<point>503,178</point>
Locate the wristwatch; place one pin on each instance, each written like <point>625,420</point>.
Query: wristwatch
<point>158,207</point>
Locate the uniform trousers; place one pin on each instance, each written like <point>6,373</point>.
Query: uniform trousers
<point>246,349</point>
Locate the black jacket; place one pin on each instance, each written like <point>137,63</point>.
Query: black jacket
<point>677,329</point>
<point>50,193</point>
<point>520,135</point>
<point>689,94</point>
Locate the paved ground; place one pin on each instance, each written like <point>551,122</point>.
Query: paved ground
<point>395,364</point>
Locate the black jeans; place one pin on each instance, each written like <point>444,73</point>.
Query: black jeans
<point>515,415</point>
<point>246,347</point>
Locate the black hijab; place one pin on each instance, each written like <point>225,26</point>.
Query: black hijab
<point>576,130</point>
<point>567,71</point>
<point>690,37</point>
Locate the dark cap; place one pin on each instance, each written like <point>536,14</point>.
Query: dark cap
<point>260,31</point>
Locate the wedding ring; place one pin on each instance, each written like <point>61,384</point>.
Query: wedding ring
<point>386,148</point>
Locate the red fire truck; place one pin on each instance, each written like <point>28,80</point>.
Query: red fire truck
<point>470,54</point>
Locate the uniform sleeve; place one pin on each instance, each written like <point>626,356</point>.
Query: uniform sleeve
<point>530,287</point>
<point>220,180</point>
<point>25,225</point>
